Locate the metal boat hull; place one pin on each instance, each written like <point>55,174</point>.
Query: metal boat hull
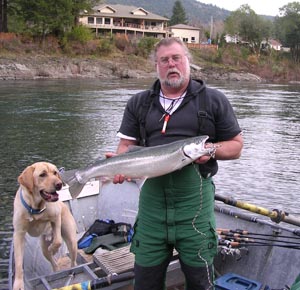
<point>268,264</point>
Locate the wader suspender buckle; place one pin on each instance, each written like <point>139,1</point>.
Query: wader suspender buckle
<point>143,111</point>
<point>202,113</point>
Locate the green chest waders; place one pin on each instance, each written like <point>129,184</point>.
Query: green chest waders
<point>176,210</point>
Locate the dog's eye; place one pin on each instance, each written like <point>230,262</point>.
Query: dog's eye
<point>44,174</point>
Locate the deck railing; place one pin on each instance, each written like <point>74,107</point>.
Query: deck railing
<point>202,46</point>
<point>131,26</point>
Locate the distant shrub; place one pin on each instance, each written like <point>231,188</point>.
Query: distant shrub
<point>105,46</point>
<point>278,69</point>
<point>81,34</point>
<point>145,46</point>
<point>253,59</point>
<point>122,42</point>
<point>210,55</point>
<point>9,42</point>
<point>245,52</point>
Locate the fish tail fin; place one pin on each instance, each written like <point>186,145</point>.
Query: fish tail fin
<point>75,187</point>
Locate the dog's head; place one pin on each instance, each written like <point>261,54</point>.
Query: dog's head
<point>42,178</point>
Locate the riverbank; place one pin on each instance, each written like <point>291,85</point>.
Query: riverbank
<point>118,67</point>
<point>25,58</point>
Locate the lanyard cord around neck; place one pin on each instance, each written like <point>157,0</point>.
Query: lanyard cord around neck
<point>174,104</point>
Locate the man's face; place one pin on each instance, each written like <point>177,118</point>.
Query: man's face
<point>172,66</point>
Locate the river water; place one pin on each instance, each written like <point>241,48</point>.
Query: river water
<point>72,122</point>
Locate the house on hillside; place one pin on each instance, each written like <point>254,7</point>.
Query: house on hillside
<point>272,44</point>
<point>186,33</point>
<point>134,22</point>
<point>232,38</point>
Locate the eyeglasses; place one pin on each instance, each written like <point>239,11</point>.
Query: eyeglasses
<point>164,61</point>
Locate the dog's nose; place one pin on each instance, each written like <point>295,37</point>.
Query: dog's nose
<point>58,185</point>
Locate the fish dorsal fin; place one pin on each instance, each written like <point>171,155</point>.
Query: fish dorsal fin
<point>134,148</point>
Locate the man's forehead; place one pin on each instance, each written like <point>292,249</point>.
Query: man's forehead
<point>173,48</point>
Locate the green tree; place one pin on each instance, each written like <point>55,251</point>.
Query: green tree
<point>178,15</point>
<point>80,5</point>
<point>42,17</point>
<point>250,27</point>
<point>3,15</point>
<point>288,28</point>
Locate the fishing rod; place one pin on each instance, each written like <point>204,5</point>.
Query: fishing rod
<point>275,215</point>
<point>236,244</point>
<point>100,282</point>
<point>254,219</point>
<point>244,233</point>
<point>258,240</point>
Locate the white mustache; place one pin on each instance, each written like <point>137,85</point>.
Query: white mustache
<point>173,70</point>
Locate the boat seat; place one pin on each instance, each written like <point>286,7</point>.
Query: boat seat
<point>118,261</point>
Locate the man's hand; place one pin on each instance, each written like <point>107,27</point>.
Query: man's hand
<point>203,159</point>
<point>119,178</point>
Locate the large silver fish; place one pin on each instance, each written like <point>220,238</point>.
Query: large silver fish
<point>139,163</point>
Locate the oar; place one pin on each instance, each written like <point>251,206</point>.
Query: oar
<point>99,283</point>
<point>254,219</point>
<point>275,215</point>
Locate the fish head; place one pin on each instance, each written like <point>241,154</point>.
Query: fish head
<point>195,148</point>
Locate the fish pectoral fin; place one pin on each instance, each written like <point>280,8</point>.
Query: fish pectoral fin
<point>104,179</point>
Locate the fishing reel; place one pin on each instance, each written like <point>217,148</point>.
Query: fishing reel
<point>237,253</point>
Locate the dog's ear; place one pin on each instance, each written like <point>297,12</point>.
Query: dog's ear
<point>60,172</point>
<point>26,178</point>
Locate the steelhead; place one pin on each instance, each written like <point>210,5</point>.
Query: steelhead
<point>139,163</point>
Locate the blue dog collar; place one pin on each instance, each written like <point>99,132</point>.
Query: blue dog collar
<point>28,207</point>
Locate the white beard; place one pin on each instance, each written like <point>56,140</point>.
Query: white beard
<point>174,83</point>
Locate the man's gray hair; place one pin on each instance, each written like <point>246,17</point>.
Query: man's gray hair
<point>170,41</point>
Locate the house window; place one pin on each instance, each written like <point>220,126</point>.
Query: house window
<point>90,20</point>
<point>185,39</point>
<point>99,20</point>
<point>193,39</point>
<point>106,20</point>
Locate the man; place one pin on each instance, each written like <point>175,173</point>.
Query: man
<point>177,210</point>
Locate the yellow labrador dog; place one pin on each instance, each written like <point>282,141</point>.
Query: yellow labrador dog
<point>38,212</point>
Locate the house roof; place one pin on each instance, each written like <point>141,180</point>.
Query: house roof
<point>184,26</point>
<point>124,11</point>
<point>274,42</point>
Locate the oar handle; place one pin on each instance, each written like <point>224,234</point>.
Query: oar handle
<point>247,206</point>
<point>292,220</point>
<point>99,283</point>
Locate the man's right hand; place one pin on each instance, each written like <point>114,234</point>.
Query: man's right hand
<point>119,178</point>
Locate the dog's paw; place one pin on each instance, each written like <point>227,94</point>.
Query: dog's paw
<point>18,285</point>
<point>54,247</point>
